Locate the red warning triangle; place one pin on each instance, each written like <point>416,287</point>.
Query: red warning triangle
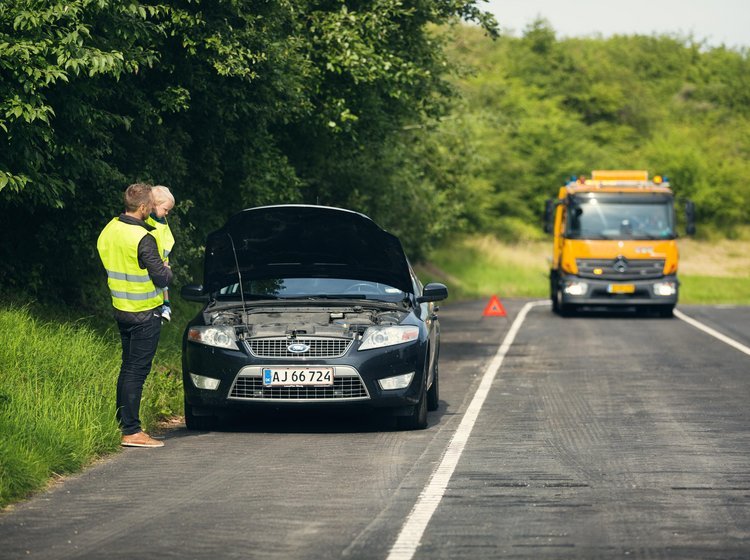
<point>494,308</point>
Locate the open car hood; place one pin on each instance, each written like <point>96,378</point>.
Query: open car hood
<point>304,242</point>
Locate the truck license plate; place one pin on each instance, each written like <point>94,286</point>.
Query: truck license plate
<point>621,288</point>
<point>298,377</point>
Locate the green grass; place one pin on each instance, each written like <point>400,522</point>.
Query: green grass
<point>57,396</point>
<point>482,266</point>
<point>714,290</point>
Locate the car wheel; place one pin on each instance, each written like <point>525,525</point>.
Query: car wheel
<point>433,394</point>
<point>198,422</point>
<point>417,420</point>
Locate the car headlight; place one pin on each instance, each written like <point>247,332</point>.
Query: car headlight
<point>378,337</point>
<point>221,336</point>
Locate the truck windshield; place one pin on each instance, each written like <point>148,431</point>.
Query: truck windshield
<point>620,217</point>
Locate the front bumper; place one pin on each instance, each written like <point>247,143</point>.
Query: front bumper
<point>356,376</point>
<point>608,292</point>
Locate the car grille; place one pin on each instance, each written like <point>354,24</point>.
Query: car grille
<point>347,386</point>
<point>279,347</point>
<point>621,268</point>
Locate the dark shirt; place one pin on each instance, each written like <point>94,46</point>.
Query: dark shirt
<point>148,258</point>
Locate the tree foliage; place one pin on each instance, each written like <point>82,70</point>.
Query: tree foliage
<point>239,103</point>
<point>231,103</point>
<point>542,109</point>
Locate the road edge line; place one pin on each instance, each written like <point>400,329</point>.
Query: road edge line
<point>416,522</point>
<point>708,330</point>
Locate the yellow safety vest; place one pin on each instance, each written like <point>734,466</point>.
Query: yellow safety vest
<point>130,285</point>
<point>164,237</point>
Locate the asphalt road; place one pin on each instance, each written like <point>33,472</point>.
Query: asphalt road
<point>602,435</point>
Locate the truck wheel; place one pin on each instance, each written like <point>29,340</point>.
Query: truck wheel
<point>665,311</point>
<point>553,293</point>
<point>562,309</point>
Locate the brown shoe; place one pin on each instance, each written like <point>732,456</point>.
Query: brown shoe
<point>140,439</point>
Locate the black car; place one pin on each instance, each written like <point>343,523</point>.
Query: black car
<point>310,306</point>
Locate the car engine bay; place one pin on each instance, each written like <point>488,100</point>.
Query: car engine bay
<point>339,322</point>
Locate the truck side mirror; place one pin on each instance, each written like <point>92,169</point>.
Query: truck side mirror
<point>689,217</point>
<point>549,214</point>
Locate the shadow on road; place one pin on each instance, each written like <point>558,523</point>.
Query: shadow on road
<point>615,313</point>
<point>311,421</point>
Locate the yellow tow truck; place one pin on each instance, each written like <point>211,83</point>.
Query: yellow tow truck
<point>615,242</point>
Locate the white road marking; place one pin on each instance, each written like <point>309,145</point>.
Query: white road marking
<point>414,527</point>
<point>716,334</point>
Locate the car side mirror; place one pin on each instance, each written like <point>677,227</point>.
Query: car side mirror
<point>433,291</point>
<point>194,292</point>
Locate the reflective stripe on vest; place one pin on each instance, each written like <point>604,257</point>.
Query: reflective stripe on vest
<point>130,285</point>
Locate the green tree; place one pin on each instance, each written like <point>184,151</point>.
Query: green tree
<point>232,103</point>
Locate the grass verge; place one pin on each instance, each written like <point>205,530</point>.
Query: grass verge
<point>57,397</point>
<point>474,267</point>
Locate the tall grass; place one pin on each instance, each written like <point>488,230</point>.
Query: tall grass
<point>474,267</point>
<point>57,399</point>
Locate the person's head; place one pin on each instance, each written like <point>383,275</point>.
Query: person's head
<point>163,201</point>
<point>138,200</point>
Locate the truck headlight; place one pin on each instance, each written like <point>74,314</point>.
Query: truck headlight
<point>665,289</point>
<point>573,288</point>
<point>378,337</point>
<point>222,336</point>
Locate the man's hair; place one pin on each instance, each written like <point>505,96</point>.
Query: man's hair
<point>137,194</point>
<point>162,194</point>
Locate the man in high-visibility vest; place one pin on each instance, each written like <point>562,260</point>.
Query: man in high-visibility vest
<point>135,275</point>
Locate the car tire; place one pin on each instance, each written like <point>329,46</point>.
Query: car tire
<point>433,394</point>
<point>417,420</point>
<point>199,422</point>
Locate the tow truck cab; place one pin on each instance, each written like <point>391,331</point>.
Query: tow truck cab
<point>615,242</point>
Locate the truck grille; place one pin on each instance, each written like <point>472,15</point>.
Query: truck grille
<point>621,268</point>
<point>347,386</point>
<point>279,347</point>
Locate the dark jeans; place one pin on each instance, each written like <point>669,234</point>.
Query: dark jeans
<point>139,341</point>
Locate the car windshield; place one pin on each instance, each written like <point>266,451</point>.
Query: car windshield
<point>312,288</point>
<point>620,217</point>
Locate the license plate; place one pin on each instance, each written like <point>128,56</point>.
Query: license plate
<point>621,288</point>
<point>298,377</point>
